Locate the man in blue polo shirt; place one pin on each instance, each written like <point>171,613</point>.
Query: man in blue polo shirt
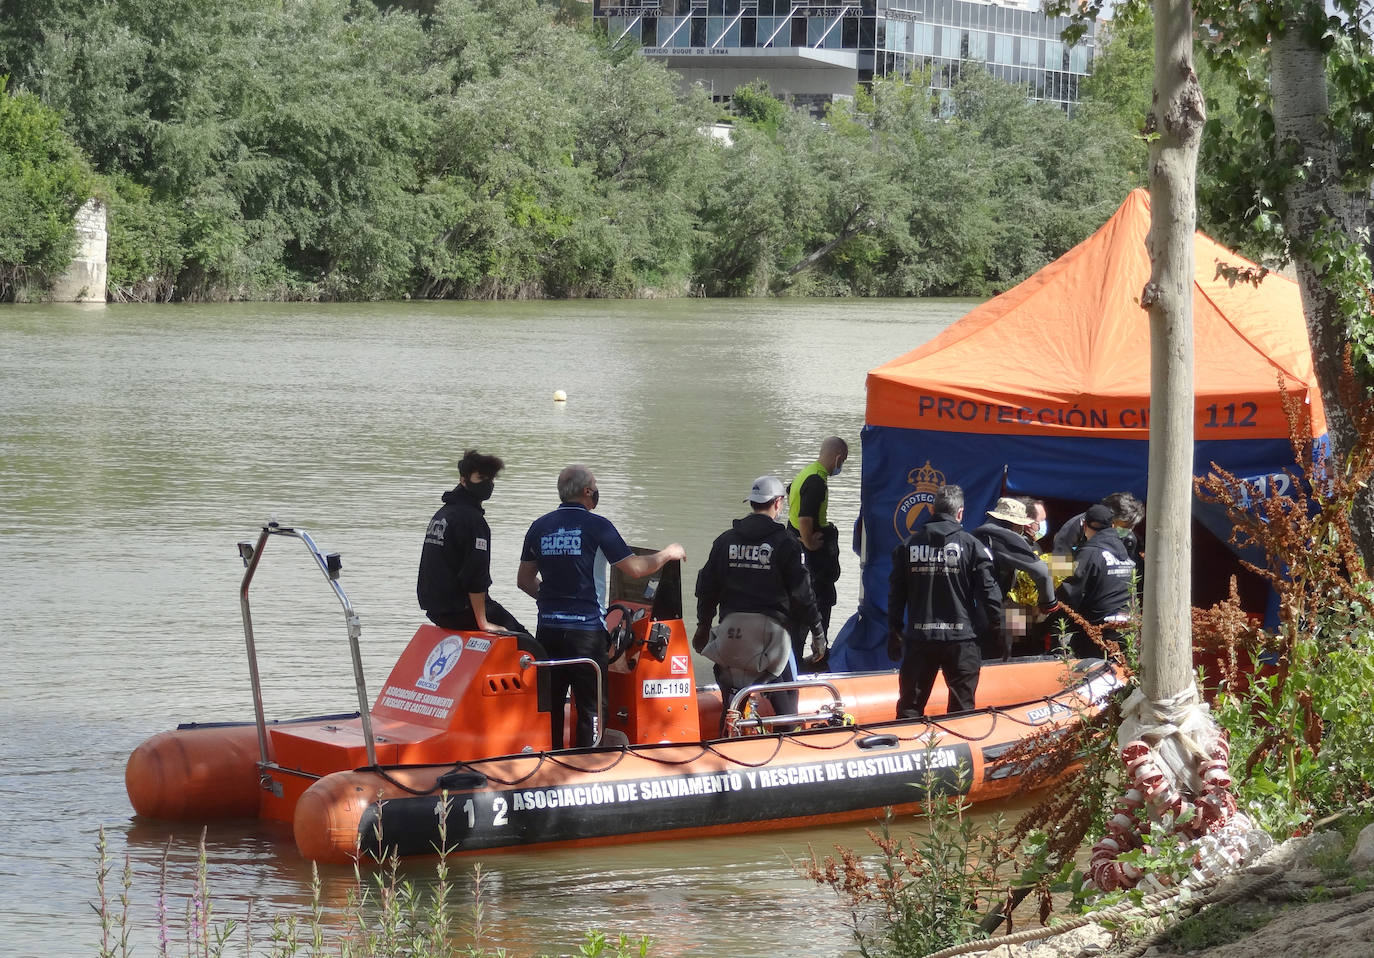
<point>564,566</point>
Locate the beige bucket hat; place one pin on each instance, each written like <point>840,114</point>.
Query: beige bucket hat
<point>1013,511</point>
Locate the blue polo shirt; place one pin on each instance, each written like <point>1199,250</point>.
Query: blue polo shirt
<point>575,549</point>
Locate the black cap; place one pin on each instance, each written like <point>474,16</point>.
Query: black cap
<point>1098,517</point>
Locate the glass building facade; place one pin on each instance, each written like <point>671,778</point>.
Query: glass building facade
<point>794,45</point>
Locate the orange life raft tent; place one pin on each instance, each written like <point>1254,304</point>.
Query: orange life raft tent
<point>1045,390</point>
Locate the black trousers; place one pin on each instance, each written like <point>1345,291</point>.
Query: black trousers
<point>574,644</point>
<point>922,660</point>
<point>466,621</point>
<point>826,598</point>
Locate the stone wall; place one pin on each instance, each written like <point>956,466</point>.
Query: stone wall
<point>85,280</point>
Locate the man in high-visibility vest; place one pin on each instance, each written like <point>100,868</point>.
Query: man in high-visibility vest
<point>808,499</point>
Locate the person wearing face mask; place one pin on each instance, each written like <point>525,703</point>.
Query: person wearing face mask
<point>564,568</point>
<point>455,561</point>
<point>1007,534</point>
<point>755,576</point>
<point>1035,508</point>
<point>808,499</point>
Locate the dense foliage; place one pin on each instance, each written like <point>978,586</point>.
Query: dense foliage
<point>1295,700</point>
<point>43,181</point>
<point>328,149</point>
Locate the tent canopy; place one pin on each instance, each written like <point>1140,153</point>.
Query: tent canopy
<point>1067,352</point>
<point>1045,391</point>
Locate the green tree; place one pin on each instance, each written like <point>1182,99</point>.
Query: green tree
<point>1310,118</point>
<point>755,103</point>
<point>571,165</point>
<point>741,221</point>
<point>43,181</point>
<point>144,255</point>
<point>1292,175</point>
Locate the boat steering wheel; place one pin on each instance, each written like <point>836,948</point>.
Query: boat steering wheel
<point>622,633</point>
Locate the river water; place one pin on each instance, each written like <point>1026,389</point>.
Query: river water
<point>139,444</point>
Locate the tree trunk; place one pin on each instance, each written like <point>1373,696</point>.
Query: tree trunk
<point>1176,124</point>
<point>1318,206</point>
<point>850,227</point>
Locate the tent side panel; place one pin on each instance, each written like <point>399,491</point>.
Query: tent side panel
<point>902,469</point>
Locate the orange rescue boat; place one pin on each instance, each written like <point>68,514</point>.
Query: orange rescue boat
<point>455,754</point>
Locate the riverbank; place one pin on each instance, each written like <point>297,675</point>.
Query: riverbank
<point>1310,897</point>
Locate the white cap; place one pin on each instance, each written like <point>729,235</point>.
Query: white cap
<point>765,489</point>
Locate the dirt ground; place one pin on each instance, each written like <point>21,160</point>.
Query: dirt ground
<point>1301,911</point>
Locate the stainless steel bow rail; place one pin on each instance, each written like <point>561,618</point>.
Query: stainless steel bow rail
<point>331,565</point>
<point>832,713</point>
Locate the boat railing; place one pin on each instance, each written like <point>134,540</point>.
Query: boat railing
<point>529,661</point>
<point>331,565</point>
<point>831,713</point>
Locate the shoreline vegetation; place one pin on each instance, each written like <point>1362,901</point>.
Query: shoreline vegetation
<point>342,150</point>
<point>384,915</point>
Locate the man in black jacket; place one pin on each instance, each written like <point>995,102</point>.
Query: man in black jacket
<point>455,561</point>
<point>1100,588</point>
<point>941,577</point>
<point>1007,534</point>
<point>755,576</point>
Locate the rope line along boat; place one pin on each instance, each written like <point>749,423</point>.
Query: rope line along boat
<point>456,752</point>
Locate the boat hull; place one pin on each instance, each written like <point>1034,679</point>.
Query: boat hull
<point>638,793</point>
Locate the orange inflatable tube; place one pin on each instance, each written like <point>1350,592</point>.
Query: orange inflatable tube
<point>636,793</point>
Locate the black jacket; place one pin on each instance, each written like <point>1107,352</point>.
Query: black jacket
<point>756,566</point>
<point>1068,536</point>
<point>1011,552</point>
<point>941,578</point>
<point>1100,586</point>
<point>455,560</point>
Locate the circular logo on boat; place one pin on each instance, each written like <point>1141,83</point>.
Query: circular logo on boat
<point>442,658</point>
<point>925,482</point>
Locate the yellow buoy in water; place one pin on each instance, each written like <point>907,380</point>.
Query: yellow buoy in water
<point>560,396</point>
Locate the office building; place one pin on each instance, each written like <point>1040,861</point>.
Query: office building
<point>812,52</point>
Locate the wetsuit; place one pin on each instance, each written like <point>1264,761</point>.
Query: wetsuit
<point>574,549</point>
<point>941,575</point>
<point>755,567</point>
<point>455,562</point>
<point>1012,553</point>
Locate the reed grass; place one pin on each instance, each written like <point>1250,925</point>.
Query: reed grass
<point>386,916</point>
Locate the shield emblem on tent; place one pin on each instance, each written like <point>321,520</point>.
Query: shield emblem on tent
<point>925,482</point>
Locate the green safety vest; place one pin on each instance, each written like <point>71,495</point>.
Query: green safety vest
<point>794,495</point>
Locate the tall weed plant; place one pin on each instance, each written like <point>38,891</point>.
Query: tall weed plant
<point>385,915</point>
<point>955,880</point>
<point>925,891</point>
<point>1295,700</point>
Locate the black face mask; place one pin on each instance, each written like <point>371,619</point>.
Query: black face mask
<point>596,497</point>
<point>481,491</point>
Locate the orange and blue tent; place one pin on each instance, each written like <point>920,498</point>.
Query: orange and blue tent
<point>1045,391</point>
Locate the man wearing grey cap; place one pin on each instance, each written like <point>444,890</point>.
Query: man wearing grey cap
<point>755,577</point>
<point>1100,588</point>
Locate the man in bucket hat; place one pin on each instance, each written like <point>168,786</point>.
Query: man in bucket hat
<point>1008,535</point>
<point>756,578</point>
